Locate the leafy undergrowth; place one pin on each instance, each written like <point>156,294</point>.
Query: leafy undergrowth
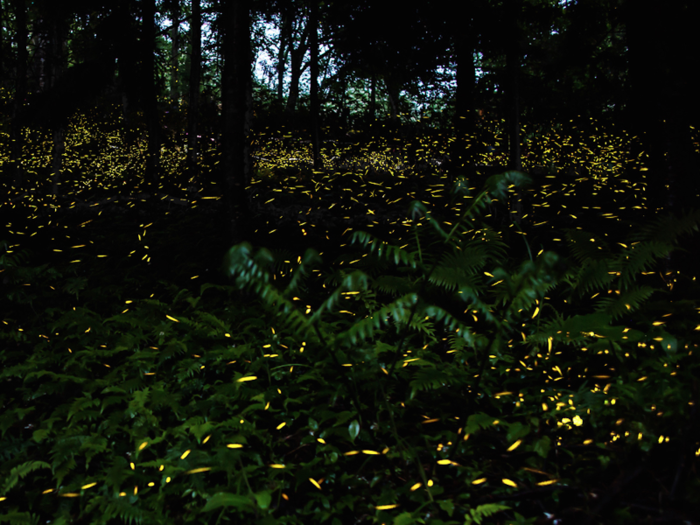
<point>432,369</point>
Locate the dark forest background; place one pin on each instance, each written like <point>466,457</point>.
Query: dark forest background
<point>630,63</point>
<point>349,262</point>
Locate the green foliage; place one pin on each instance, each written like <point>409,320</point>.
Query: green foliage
<point>483,511</point>
<point>418,381</point>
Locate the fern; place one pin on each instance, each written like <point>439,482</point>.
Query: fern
<point>642,257</point>
<point>483,511</point>
<point>629,301</point>
<point>382,249</point>
<point>668,228</point>
<point>20,472</point>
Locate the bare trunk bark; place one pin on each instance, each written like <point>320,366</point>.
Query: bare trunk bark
<point>462,157</point>
<point>237,79</point>
<point>285,38</point>
<point>150,100</point>
<point>513,110</point>
<point>373,98</point>
<point>175,52</point>
<point>195,78</point>
<point>393,92</point>
<point>297,61</point>
<point>59,119</point>
<point>313,44</point>
<point>16,141</point>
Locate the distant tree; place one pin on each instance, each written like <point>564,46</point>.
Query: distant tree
<point>16,141</point>
<point>237,84</point>
<point>150,97</point>
<point>464,35</point>
<point>2,44</point>
<point>174,9</point>
<point>315,108</point>
<point>379,40</point>
<point>297,66</point>
<point>194,86</point>
<point>662,88</point>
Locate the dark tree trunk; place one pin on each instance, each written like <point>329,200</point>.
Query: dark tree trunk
<point>16,142</point>
<point>660,89</point>
<point>373,98</point>
<point>285,39</point>
<point>175,51</point>
<point>661,86</point>
<point>462,157</point>
<point>313,44</point>
<point>237,79</point>
<point>297,66</point>
<point>342,102</point>
<point>150,100</point>
<point>195,78</point>
<point>59,148</point>
<point>56,63</point>
<point>38,71</point>
<point>393,91</point>
<point>513,12</point>
<point>2,47</point>
<point>297,61</point>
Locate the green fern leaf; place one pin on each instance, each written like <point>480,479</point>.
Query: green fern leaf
<point>429,379</point>
<point>394,285</point>
<point>642,257</point>
<point>20,471</point>
<point>483,511</point>
<point>364,329</point>
<point>628,301</point>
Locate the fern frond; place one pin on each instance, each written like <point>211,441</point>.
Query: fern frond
<point>471,297</point>
<point>642,257</point>
<point>21,471</point>
<point>429,379</point>
<point>470,258</point>
<point>668,228</point>
<point>628,301</point>
<point>124,511</point>
<point>364,329</point>
<point>394,285</point>
<point>585,246</point>
<point>483,511</point>
<point>593,275</point>
<point>450,323</point>
<point>310,260</point>
<point>450,278</point>
<point>354,281</point>
<point>383,249</point>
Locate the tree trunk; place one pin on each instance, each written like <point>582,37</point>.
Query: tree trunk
<point>660,85</point>
<point>150,99</point>
<point>297,68</point>
<point>285,39</point>
<point>313,44</point>
<point>2,46</point>
<point>513,109</point>
<point>16,141</point>
<point>646,54</point>
<point>56,63</point>
<point>373,98</point>
<point>175,52</point>
<point>237,77</point>
<point>462,157</point>
<point>38,70</point>
<point>59,148</point>
<point>195,78</point>
<point>393,91</point>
